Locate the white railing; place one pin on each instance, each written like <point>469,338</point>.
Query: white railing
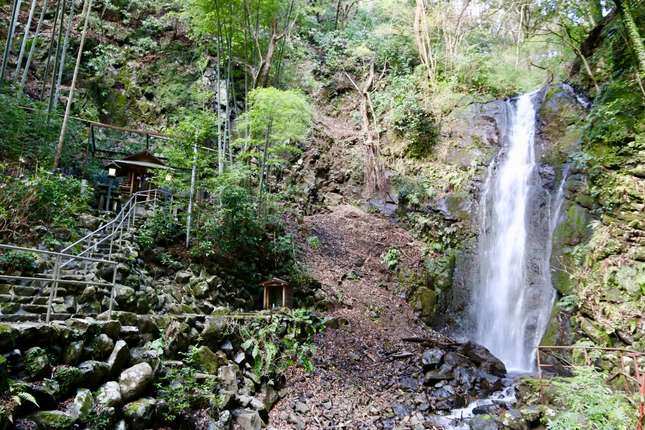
<point>112,231</point>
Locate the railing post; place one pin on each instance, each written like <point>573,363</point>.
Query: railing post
<point>112,292</point>
<point>537,362</point>
<point>53,288</point>
<point>111,242</point>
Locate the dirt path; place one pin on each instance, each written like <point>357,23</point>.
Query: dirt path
<point>366,377</point>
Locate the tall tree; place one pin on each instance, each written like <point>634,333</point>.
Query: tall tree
<point>87,8</point>
<point>25,37</point>
<point>634,36</point>
<point>15,12</point>
<point>25,72</point>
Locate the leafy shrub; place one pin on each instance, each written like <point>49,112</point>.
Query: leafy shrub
<point>241,238</point>
<point>391,258</point>
<point>283,342</point>
<point>179,390</point>
<point>42,196</point>
<point>313,242</point>
<point>31,136</point>
<point>12,261</point>
<point>585,402</point>
<point>160,229</point>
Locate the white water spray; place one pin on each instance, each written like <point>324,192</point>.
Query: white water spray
<point>511,309</point>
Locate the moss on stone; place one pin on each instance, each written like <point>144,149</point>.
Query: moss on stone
<point>53,420</point>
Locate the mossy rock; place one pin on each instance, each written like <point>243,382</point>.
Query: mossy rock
<point>53,420</point>
<point>208,360</point>
<point>68,378</point>
<point>426,300</point>
<point>4,374</point>
<point>574,229</point>
<point>594,331</point>
<point>7,337</point>
<point>36,361</point>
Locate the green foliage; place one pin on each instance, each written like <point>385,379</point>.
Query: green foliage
<point>391,258</point>
<point>285,341</point>
<point>275,121</point>
<point>585,402</point>
<point>12,261</point>
<point>241,237</point>
<point>11,400</point>
<point>313,242</point>
<point>42,196</point>
<point>160,229</point>
<point>27,134</point>
<point>180,391</point>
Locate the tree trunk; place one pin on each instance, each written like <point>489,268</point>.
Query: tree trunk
<point>25,38</point>
<point>87,8</point>
<point>49,49</point>
<point>15,12</point>
<point>59,48</point>
<point>61,67</point>
<point>265,64</point>
<point>422,38</point>
<point>25,73</point>
<point>375,181</point>
<point>634,35</point>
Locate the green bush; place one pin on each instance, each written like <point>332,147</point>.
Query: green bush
<point>42,197</point>
<point>241,237</point>
<point>31,136</point>
<point>12,261</point>
<point>160,229</point>
<point>585,402</point>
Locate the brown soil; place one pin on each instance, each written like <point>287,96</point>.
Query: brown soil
<point>363,368</point>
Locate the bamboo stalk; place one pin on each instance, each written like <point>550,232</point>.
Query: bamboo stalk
<point>61,140</point>
<point>25,72</point>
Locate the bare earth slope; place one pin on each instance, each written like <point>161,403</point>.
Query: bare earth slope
<point>365,376</point>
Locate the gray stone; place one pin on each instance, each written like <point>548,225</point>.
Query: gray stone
<point>140,413</point>
<point>483,422</point>
<point>208,360</point>
<point>101,347</point>
<point>109,394</point>
<point>183,276</point>
<point>36,361</point>
<point>432,357</point>
<point>53,420</point>
<point>301,408</point>
<point>227,376</point>
<point>246,419</point>
<point>73,353</point>
<point>93,372</point>
<point>119,358</point>
<point>135,380</point>
<point>222,423</point>
<point>83,404</point>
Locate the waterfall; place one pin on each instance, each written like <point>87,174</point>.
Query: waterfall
<point>513,295</point>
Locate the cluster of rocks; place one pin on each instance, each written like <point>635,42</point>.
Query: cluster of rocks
<point>82,371</point>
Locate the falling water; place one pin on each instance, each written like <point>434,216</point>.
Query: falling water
<point>513,295</point>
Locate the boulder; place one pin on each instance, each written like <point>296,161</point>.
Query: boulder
<point>214,331</point>
<point>227,376</point>
<point>134,381</point>
<point>483,422</point>
<point>140,413</point>
<point>73,353</point>
<point>222,423</point>
<point>177,338</point>
<point>101,347</point>
<point>246,419</point>
<point>53,420</point>
<point>36,362</point>
<point>7,337</point>
<point>183,276</point>
<point>431,358</point>
<point>208,360</point>
<point>109,394</point>
<point>68,378</point>
<point>483,358</point>
<point>83,404</point>
<point>94,372</point>
<point>119,358</point>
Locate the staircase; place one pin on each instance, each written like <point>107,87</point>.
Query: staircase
<point>78,275</point>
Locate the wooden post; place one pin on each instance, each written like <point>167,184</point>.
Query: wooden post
<point>189,218</point>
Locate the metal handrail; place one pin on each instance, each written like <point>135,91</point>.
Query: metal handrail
<point>126,216</point>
